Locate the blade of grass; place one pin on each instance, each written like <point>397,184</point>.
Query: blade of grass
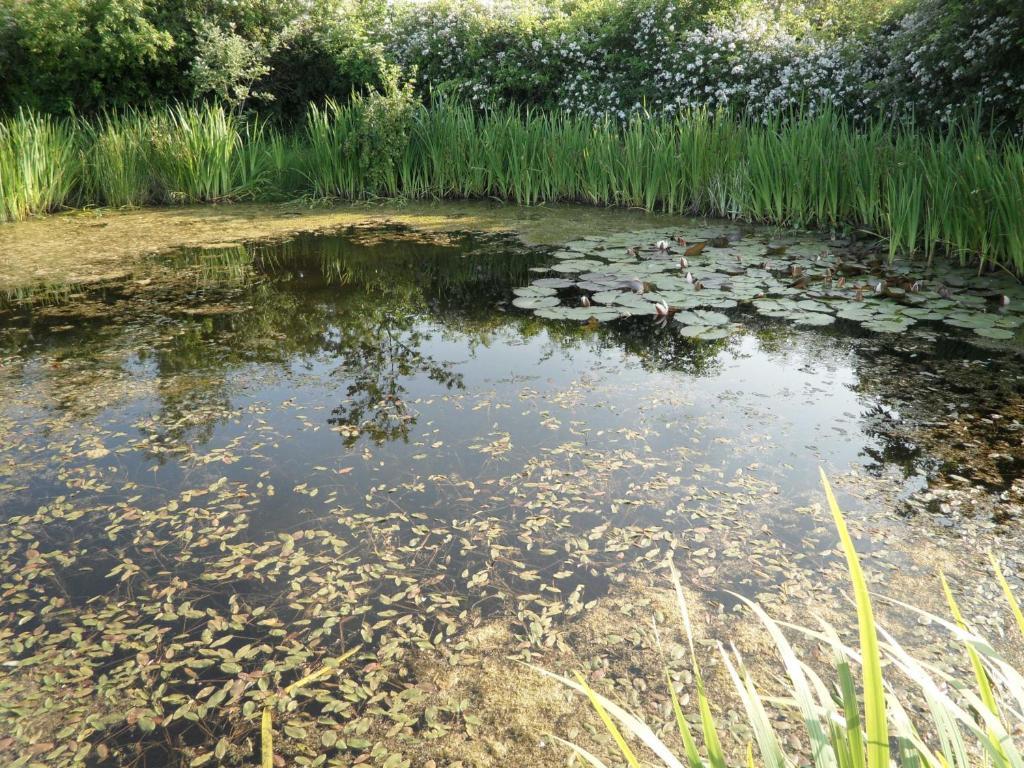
<point>266,739</point>
<point>980,676</point>
<point>595,702</point>
<point>1014,605</point>
<point>874,694</point>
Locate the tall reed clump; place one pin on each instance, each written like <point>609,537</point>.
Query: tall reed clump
<point>960,193</point>
<point>961,723</point>
<point>39,165</point>
<point>118,161</point>
<point>198,155</point>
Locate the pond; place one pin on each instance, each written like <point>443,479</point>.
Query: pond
<point>226,469</point>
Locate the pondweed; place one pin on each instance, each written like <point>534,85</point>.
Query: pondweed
<point>960,725</point>
<point>959,193</point>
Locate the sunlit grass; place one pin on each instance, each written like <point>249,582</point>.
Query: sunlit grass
<point>959,194</point>
<point>855,720</point>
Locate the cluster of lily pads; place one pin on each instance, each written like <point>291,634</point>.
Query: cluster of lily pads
<point>692,276</point>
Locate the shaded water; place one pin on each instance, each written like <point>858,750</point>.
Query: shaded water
<point>282,450</point>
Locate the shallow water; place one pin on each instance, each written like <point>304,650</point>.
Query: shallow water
<point>359,436</point>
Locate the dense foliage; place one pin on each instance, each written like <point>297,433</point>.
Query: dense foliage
<point>960,193</point>
<point>925,60</point>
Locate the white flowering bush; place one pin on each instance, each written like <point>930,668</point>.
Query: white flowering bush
<point>928,63</point>
<point>946,57</point>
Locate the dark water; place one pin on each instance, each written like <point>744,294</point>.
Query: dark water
<point>364,351</point>
<point>379,387</point>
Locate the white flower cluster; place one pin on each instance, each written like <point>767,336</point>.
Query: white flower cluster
<point>654,59</point>
<point>977,64</point>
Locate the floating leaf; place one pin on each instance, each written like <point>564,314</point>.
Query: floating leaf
<point>535,302</point>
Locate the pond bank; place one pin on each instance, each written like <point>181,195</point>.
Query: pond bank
<point>100,244</point>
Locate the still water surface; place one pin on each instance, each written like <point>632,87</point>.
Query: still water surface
<point>458,456</point>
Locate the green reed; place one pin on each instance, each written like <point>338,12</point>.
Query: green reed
<point>40,165</point>
<point>965,722</point>
<point>960,193</point>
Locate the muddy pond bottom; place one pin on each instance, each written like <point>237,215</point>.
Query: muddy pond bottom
<point>228,470</point>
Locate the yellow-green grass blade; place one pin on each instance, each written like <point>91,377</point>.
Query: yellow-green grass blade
<point>853,743</point>
<point>266,740</point>
<point>821,749</point>
<point>875,719</point>
<point>767,741</point>
<point>1008,677</point>
<point>609,724</point>
<point>631,722</point>
<point>591,758</point>
<point>1014,605</point>
<point>980,676</point>
<point>993,737</point>
<point>320,673</point>
<point>716,756</point>
<point>692,754</point>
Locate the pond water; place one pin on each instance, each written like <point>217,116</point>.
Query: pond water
<point>240,462</point>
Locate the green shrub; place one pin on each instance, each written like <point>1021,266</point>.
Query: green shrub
<point>69,54</point>
<point>331,54</point>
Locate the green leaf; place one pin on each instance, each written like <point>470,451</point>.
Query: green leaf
<point>875,719</point>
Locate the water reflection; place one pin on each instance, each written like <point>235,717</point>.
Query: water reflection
<point>356,438</point>
<point>382,319</point>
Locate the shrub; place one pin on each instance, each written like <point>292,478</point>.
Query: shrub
<point>227,66</point>
<point>83,55</point>
<point>334,52</point>
<point>356,150</point>
<point>945,57</point>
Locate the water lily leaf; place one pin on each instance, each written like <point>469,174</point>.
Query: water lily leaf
<point>553,282</point>
<point>886,326</point>
<point>606,297</point>
<point>535,302</point>
<point>701,317</point>
<point>578,265</point>
<point>533,291</point>
<point>704,332</point>
<point>814,319</point>
<point>995,333</point>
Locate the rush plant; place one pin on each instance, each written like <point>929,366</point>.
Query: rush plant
<point>859,719</point>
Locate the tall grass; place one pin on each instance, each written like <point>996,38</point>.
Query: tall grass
<point>959,724</point>
<point>960,193</point>
<point>40,165</point>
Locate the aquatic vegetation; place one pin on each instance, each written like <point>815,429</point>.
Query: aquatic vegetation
<point>225,471</point>
<point>39,165</point>
<point>962,723</point>
<point>957,194</point>
<point>693,274</point>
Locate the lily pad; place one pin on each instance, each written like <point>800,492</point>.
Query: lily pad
<point>705,332</point>
<point>534,291</point>
<point>995,333</point>
<point>535,302</point>
<point>701,317</point>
